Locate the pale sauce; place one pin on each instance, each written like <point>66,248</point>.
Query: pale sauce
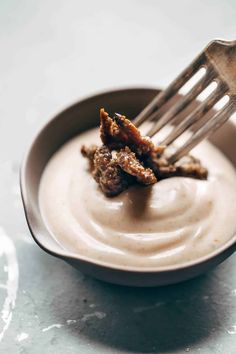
<point>174,221</point>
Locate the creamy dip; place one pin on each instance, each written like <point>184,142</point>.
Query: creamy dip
<point>174,221</point>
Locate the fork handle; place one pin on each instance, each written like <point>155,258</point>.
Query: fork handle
<point>222,55</point>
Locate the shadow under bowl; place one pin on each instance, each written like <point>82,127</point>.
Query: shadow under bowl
<point>74,120</point>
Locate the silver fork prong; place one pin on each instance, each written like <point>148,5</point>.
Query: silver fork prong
<point>197,114</point>
<point>171,90</point>
<point>182,103</point>
<point>212,124</point>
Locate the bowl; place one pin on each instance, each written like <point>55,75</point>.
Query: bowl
<point>73,120</point>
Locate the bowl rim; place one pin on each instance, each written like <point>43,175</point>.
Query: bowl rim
<point>65,254</point>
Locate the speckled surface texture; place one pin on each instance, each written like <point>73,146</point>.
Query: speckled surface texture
<point>50,57</point>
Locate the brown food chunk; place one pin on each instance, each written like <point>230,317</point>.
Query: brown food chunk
<point>188,167</point>
<point>127,160</point>
<point>136,158</point>
<point>120,132</point>
<point>192,168</point>
<point>108,174</point>
<point>109,132</point>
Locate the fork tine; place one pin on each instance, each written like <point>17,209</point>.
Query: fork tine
<point>182,103</point>
<point>171,90</point>
<point>197,114</point>
<point>213,124</point>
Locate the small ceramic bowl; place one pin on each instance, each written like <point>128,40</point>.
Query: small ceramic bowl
<point>72,121</point>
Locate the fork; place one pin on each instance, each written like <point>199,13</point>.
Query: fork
<point>219,61</point>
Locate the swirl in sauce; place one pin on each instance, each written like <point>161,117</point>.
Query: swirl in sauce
<point>171,222</point>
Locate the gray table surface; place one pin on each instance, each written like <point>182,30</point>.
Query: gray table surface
<point>52,53</point>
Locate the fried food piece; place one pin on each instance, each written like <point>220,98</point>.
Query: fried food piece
<point>188,167</point>
<point>129,163</point>
<point>191,167</point>
<point>120,132</point>
<point>115,174</point>
<point>110,177</point>
<point>110,134</point>
<point>135,159</point>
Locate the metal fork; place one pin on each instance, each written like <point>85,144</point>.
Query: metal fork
<point>219,61</point>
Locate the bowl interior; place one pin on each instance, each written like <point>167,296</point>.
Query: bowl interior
<point>70,122</point>
<point>74,120</point>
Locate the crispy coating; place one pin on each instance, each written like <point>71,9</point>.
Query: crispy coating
<point>115,174</point>
<point>127,160</point>
<point>110,177</point>
<point>188,167</point>
<point>192,168</point>
<point>120,132</point>
<point>136,159</point>
<point>110,133</point>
